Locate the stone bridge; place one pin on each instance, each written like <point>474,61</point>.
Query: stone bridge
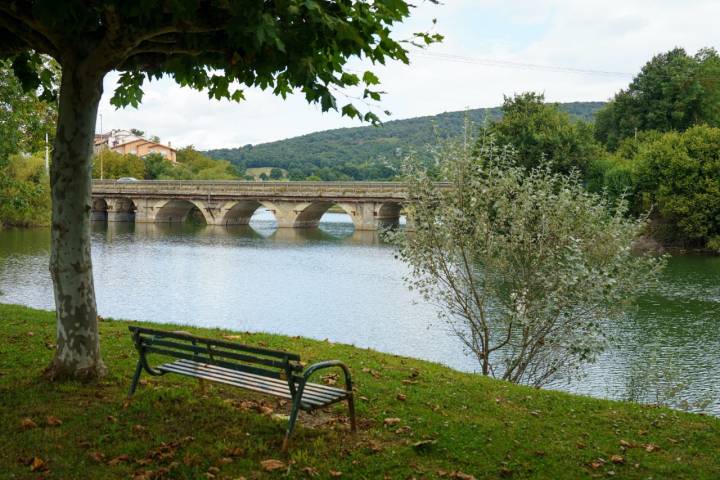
<point>294,204</point>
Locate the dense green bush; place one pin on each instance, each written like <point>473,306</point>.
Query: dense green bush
<point>112,165</point>
<point>675,176</point>
<point>679,173</point>
<point>540,131</point>
<point>24,192</point>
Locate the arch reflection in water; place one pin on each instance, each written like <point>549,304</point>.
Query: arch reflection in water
<point>262,231</point>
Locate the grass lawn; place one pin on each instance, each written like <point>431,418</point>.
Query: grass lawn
<point>476,427</point>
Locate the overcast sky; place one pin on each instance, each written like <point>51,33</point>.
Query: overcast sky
<point>597,35</point>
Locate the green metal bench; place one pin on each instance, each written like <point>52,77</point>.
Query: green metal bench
<point>271,372</point>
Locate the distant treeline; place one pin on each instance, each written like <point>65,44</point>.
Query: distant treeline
<point>368,153</point>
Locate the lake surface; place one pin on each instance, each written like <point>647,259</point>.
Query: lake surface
<point>346,286</point>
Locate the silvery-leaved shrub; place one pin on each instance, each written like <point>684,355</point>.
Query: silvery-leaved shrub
<point>526,267</point>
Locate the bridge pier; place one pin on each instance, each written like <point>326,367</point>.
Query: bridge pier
<point>120,210</point>
<point>145,210</point>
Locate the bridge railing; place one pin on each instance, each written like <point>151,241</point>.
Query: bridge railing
<point>388,190</point>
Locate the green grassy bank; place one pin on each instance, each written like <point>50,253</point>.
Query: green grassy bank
<point>476,427</point>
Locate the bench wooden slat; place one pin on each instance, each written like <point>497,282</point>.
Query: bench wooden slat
<point>217,353</point>
<point>278,389</point>
<point>204,359</point>
<point>312,389</point>
<point>212,341</point>
<point>220,379</point>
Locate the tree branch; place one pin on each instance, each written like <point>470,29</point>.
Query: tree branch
<point>10,44</point>
<point>29,31</point>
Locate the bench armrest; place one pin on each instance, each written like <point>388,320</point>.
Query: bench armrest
<point>142,356</point>
<point>329,364</point>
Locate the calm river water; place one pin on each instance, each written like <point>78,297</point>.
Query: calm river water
<point>346,286</point>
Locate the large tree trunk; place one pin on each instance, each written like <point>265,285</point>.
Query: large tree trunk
<point>77,354</point>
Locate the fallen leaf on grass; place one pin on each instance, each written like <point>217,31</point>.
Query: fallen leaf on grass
<point>626,444</point>
<point>225,460</point>
<point>619,459</point>
<point>119,459</point>
<point>311,471</point>
<point>372,372</point>
<point>138,428</point>
<point>335,473</point>
<point>375,446</point>
<point>111,419</point>
<point>403,430</point>
<point>37,464</point>
<point>651,447</point>
<point>97,456</point>
<point>330,379</point>
<point>461,476</point>
<point>402,397</point>
<point>409,382</point>
<point>28,423</point>
<point>53,421</point>
<point>271,465</point>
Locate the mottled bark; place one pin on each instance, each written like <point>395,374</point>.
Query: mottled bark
<point>77,354</point>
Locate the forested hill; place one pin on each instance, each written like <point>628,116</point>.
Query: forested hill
<point>366,153</point>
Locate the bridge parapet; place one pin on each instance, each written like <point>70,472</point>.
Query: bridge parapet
<point>305,190</point>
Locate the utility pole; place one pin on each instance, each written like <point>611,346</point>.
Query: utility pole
<point>47,155</point>
<point>101,149</point>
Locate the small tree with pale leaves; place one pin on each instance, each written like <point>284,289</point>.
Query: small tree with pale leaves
<point>525,266</point>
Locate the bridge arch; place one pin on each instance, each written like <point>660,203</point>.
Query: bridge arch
<point>241,212</point>
<point>311,213</point>
<point>99,210</point>
<point>388,214</point>
<point>178,211</point>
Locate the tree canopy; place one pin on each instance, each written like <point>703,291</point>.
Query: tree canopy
<point>24,119</point>
<point>220,46</point>
<point>540,131</point>
<point>283,45</point>
<point>673,91</point>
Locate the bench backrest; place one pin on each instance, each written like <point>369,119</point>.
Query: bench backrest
<point>236,356</point>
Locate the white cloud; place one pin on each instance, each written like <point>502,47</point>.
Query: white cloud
<point>607,35</point>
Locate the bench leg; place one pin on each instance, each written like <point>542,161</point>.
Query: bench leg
<point>351,408</point>
<point>135,379</point>
<point>291,423</point>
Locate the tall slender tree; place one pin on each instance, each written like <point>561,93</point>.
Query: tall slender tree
<point>221,46</point>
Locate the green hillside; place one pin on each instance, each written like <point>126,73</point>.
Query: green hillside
<point>366,153</point>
